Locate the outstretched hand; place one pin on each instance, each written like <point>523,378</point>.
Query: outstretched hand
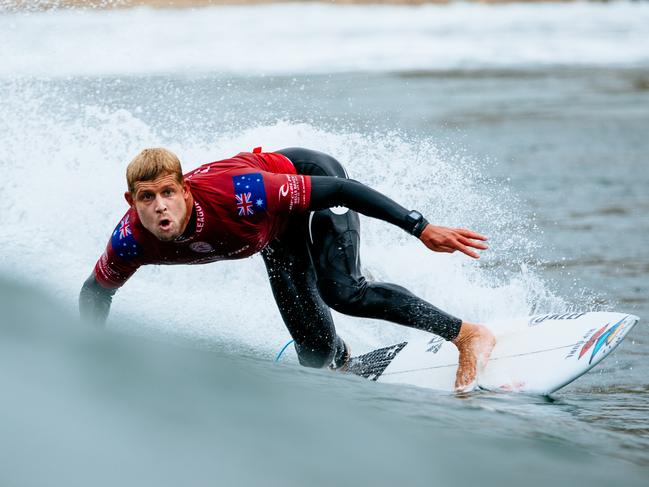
<point>443,239</point>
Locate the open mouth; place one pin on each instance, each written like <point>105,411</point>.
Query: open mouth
<point>164,224</point>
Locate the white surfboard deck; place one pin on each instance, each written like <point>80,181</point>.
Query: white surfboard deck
<point>539,355</point>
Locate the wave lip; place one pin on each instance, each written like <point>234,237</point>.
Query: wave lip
<point>322,39</point>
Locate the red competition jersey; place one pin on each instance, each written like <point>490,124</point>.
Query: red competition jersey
<point>240,205</point>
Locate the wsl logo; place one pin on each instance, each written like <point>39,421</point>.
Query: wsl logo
<point>201,247</point>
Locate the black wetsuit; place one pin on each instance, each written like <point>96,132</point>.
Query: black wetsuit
<point>316,265</point>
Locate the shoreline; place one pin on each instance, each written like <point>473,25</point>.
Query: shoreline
<point>18,5</point>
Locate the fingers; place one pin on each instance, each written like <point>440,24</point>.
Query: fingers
<point>471,243</point>
<point>470,253</point>
<point>457,245</point>
<point>465,250</point>
<point>449,240</point>
<point>448,250</point>
<point>470,234</point>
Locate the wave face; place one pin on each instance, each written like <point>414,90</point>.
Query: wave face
<point>64,163</point>
<point>319,38</point>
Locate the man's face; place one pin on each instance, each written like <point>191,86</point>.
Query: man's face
<point>162,205</point>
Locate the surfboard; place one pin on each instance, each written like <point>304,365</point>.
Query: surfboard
<point>538,355</point>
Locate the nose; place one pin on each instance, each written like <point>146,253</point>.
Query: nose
<point>160,206</point>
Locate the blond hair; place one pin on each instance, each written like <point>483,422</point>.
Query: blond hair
<point>151,164</point>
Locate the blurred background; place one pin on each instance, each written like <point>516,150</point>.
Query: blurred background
<point>524,121</point>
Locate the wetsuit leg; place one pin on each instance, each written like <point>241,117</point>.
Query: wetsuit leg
<point>293,282</point>
<point>333,243</point>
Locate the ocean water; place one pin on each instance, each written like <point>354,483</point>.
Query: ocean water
<point>525,122</point>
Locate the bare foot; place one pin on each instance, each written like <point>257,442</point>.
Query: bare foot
<point>475,343</point>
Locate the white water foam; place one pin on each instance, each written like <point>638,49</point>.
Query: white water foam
<point>63,181</point>
<point>321,38</point>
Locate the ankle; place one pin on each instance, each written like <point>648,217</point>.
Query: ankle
<point>467,331</point>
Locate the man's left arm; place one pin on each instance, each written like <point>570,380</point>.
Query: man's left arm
<point>327,192</point>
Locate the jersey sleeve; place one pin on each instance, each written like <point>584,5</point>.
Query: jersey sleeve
<point>121,257</point>
<point>287,193</point>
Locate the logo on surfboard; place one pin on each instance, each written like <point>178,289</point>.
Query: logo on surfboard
<point>602,337</point>
<point>537,320</point>
<point>435,344</point>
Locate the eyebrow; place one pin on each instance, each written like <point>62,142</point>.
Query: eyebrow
<point>163,188</point>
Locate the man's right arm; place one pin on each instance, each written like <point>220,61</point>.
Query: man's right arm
<point>116,265</point>
<point>95,301</point>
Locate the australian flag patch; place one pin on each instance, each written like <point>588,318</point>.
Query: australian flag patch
<point>123,242</point>
<point>249,193</point>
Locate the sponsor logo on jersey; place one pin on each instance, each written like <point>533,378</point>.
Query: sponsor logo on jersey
<point>201,247</point>
<point>200,217</point>
<point>294,188</point>
<point>249,194</point>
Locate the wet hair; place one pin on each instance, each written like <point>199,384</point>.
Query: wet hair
<point>151,164</point>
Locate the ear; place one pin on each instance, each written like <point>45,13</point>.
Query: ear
<point>129,199</point>
<point>186,190</point>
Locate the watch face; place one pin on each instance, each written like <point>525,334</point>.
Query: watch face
<point>415,215</point>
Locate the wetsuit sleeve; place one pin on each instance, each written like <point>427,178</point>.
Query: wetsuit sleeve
<point>95,301</point>
<point>327,192</point>
<point>118,262</point>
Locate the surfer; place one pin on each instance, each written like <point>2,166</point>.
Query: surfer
<point>298,208</point>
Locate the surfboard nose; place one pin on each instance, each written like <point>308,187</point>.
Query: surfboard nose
<point>628,323</point>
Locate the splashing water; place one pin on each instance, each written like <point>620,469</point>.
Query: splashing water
<point>64,167</point>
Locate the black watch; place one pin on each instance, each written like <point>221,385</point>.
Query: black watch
<point>416,223</point>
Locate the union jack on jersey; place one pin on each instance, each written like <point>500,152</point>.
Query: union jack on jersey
<point>123,241</point>
<point>250,193</point>
<point>124,228</point>
<point>244,204</point>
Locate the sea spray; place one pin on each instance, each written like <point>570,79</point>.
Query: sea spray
<point>65,165</point>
